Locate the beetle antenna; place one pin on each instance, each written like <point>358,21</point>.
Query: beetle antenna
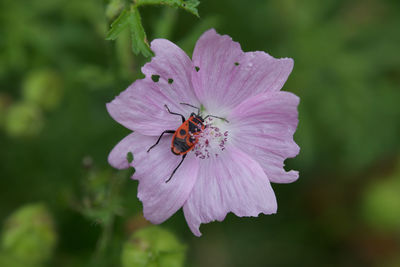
<point>216,117</point>
<point>198,109</point>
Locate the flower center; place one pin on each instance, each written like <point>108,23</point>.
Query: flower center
<point>212,140</point>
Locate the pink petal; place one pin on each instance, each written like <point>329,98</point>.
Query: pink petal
<point>263,127</point>
<point>233,182</point>
<point>141,106</point>
<point>160,199</point>
<point>171,62</point>
<point>220,81</point>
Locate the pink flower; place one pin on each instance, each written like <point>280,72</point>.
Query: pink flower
<point>234,161</point>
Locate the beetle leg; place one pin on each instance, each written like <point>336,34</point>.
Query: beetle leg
<point>173,113</point>
<point>159,138</point>
<point>172,174</point>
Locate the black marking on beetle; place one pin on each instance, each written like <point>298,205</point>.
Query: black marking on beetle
<point>196,117</point>
<point>197,68</point>
<point>182,132</point>
<point>155,78</point>
<point>194,128</point>
<point>237,63</point>
<point>196,120</point>
<point>170,81</point>
<point>180,144</point>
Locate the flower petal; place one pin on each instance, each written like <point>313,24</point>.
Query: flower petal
<point>226,75</point>
<point>167,82</point>
<point>160,199</point>
<point>175,70</point>
<point>263,126</point>
<point>233,182</point>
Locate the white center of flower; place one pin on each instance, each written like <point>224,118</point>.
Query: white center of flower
<point>212,140</point>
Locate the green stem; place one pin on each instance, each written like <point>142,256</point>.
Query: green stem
<point>165,23</point>
<point>108,225</point>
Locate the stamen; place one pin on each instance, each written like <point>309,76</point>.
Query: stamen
<point>211,141</point>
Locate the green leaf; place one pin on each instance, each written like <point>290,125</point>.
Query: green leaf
<point>119,25</point>
<point>191,6</point>
<point>139,39</point>
<point>131,18</point>
<point>188,5</point>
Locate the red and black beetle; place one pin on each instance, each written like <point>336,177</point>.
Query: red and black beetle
<point>186,136</point>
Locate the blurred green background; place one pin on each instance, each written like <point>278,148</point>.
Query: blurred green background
<point>57,72</point>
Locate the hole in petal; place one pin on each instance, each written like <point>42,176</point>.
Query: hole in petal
<point>129,157</point>
<point>237,63</point>
<point>170,81</point>
<point>155,78</point>
<point>197,68</point>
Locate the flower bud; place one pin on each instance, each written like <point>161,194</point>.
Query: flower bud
<point>43,88</point>
<point>381,203</point>
<point>153,246</point>
<point>9,261</point>
<point>23,120</point>
<point>28,235</point>
<point>113,8</point>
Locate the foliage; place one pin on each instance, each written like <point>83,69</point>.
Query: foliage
<point>153,246</point>
<point>57,72</point>
<point>29,236</point>
<point>130,18</point>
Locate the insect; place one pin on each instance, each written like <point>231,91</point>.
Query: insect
<point>186,136</point>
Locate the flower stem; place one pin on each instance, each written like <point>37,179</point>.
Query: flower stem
<point>116,184</point>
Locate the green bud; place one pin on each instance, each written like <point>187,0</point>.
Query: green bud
<point>23,120</point>
<point>43,88</point>
<point>9,261</point>
<point>381,203</point>
<point>153,247</point>
<point>28,235</point>
<point>113,8</point>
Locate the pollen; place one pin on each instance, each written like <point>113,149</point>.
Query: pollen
<point>211,141</point>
